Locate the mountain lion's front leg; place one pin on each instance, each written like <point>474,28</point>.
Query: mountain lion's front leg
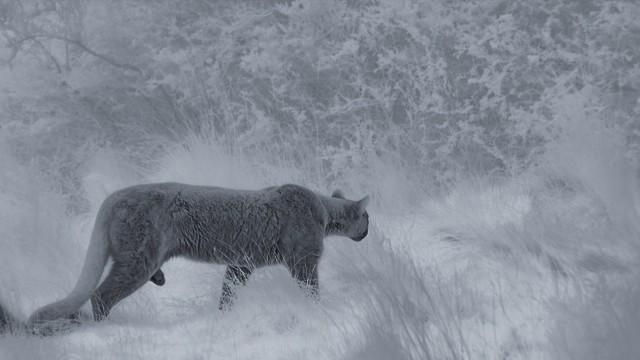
<point>234,276</point>
<point>305,271</point>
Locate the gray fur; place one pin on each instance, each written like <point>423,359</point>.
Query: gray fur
<point>141,227</point>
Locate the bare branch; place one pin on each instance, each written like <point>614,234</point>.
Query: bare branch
<point>49,55</point>
<point>17,45</point>
<point>108,59</point>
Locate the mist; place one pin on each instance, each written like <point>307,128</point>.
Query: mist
<point>498,140</point>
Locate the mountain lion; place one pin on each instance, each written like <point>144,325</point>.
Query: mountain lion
<point>142,226</point>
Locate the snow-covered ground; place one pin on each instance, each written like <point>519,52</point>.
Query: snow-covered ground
<point>538,266</point>
<point>498,141</point>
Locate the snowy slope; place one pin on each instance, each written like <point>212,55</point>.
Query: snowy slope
<point>498,141</point>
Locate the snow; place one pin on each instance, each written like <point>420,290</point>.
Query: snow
<point>505,201</point>
<point>476,273</point>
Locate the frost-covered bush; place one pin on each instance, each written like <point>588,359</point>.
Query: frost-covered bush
<point>441,88</point>
<point>497,137</point>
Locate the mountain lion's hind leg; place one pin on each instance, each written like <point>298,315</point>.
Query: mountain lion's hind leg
<point>234,276</point>
<point>123,280</point>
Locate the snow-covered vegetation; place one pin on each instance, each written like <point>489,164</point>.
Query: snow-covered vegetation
<point>499,140</point>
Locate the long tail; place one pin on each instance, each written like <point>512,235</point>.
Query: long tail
<point>92,270</point>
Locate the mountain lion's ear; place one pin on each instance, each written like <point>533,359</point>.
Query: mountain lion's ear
<point>362,204</point>
<point>338,194</point>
